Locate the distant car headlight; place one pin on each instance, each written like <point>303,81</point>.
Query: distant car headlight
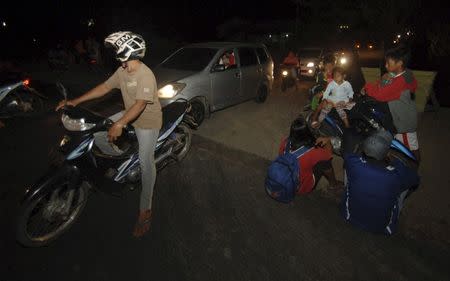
<point>310,64</point>
<point>284,73</point>
<point>170,90</point>
<point>310,71</point>
<point>343,60</point>
<point>76,124</point>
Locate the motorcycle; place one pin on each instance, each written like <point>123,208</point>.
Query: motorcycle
<point>17,98</point>
<point>53,204</point>
<point>366,116</point>
<point>288,77</point>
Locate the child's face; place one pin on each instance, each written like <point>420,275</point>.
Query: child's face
<point>328,67</point>
<point>393,65</point>
<point>338,77</point>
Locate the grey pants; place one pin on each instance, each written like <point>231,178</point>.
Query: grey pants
<point>147,139</point>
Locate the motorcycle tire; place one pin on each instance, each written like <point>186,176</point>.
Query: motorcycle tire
<point>185,131</point>
<point>198,111</point>
<point>262,94</point>
<point>23,234</point>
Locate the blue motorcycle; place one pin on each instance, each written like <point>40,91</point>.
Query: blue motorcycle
<point>51,205</point>
<point>366,116</point>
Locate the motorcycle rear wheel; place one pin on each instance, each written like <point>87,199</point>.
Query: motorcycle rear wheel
<point>38,225</point>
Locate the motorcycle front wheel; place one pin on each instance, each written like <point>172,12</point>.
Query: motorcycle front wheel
<point>184,140</point>
<point>48,216</point>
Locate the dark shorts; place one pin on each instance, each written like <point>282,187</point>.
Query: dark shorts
<point>319,169</point>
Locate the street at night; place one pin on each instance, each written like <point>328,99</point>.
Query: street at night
<point>285,137</point>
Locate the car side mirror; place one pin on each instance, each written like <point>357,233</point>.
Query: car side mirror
<point>219,68</point>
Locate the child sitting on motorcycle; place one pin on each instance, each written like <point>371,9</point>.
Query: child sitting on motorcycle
<point>338,95</point>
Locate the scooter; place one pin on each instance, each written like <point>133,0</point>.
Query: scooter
<point>288,77</point>
<point>53,204</point>
<point>366,116</point>
<point>17,98</point>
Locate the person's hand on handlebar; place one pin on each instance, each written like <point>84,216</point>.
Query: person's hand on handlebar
<point>115,131</point>
<point>63,103</point>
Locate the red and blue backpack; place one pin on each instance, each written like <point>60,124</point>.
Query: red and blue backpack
<point>283,175</point>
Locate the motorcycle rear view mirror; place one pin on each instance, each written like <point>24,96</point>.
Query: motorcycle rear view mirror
<point>219,68</point>
<point>62,90</point>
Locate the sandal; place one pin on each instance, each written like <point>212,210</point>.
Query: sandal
<point>143,224</point>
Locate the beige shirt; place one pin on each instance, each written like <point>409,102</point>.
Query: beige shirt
<point>139,85</point>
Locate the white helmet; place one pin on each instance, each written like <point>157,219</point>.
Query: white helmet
<point>127,45</point>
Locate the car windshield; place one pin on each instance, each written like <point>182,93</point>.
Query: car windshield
<point>191,59</point>
<point>309,53</point>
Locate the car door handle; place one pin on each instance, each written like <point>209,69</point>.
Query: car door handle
<point>237,75</point>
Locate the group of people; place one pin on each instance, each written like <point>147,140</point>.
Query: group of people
<point>375,184</point>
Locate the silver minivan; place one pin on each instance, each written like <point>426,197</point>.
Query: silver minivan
<point>215,75</point>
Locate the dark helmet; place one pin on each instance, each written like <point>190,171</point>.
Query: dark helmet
<point>377,144</point>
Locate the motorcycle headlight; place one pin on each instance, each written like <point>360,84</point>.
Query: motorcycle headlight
<point>284,73</point>
<point>310,64</point>
<point>76,124</point>
<point>343,60</point>
<point>170,90</point>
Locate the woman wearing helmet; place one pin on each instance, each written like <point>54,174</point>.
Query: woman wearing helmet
<point>142,109</point>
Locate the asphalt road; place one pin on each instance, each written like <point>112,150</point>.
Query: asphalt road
<point>212,221</point>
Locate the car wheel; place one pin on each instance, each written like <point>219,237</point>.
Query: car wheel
<point>198,111</point>
<point>262,94</point>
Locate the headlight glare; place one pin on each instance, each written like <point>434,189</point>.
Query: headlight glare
<point>76,124</point>
<point>170,90</point>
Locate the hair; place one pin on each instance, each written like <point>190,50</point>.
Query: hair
<point>300,134</point>
<point>329,58</point>
<point>400,53</point>
<point>338,69</point>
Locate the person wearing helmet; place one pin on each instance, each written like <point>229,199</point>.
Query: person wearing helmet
<point>376,186</point>
<point>142,110</point>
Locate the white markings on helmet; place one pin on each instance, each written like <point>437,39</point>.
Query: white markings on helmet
<point>123,40</point>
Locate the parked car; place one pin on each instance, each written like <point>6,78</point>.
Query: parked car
<point>310,59</point>
<point>215,75</point>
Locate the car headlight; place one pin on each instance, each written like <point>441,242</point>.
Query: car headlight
<point>76,124</point>
<point>170,90</point>
<point>310,64</point>
<point>343,60</point>
<point>284,73</point>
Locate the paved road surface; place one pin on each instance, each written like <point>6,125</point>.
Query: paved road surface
<point>212,221</point>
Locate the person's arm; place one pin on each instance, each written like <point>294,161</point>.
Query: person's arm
<point>388,92</point>
<point>130,115</point>
<point>94,93</point>
<point>350,92</point>
<point>326,94</point>
<point>409,177</point>
<point>97,92</point>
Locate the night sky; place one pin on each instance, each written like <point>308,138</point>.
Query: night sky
<point>191,20</point>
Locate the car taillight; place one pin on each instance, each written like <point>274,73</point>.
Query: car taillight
<point>26,82</point>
